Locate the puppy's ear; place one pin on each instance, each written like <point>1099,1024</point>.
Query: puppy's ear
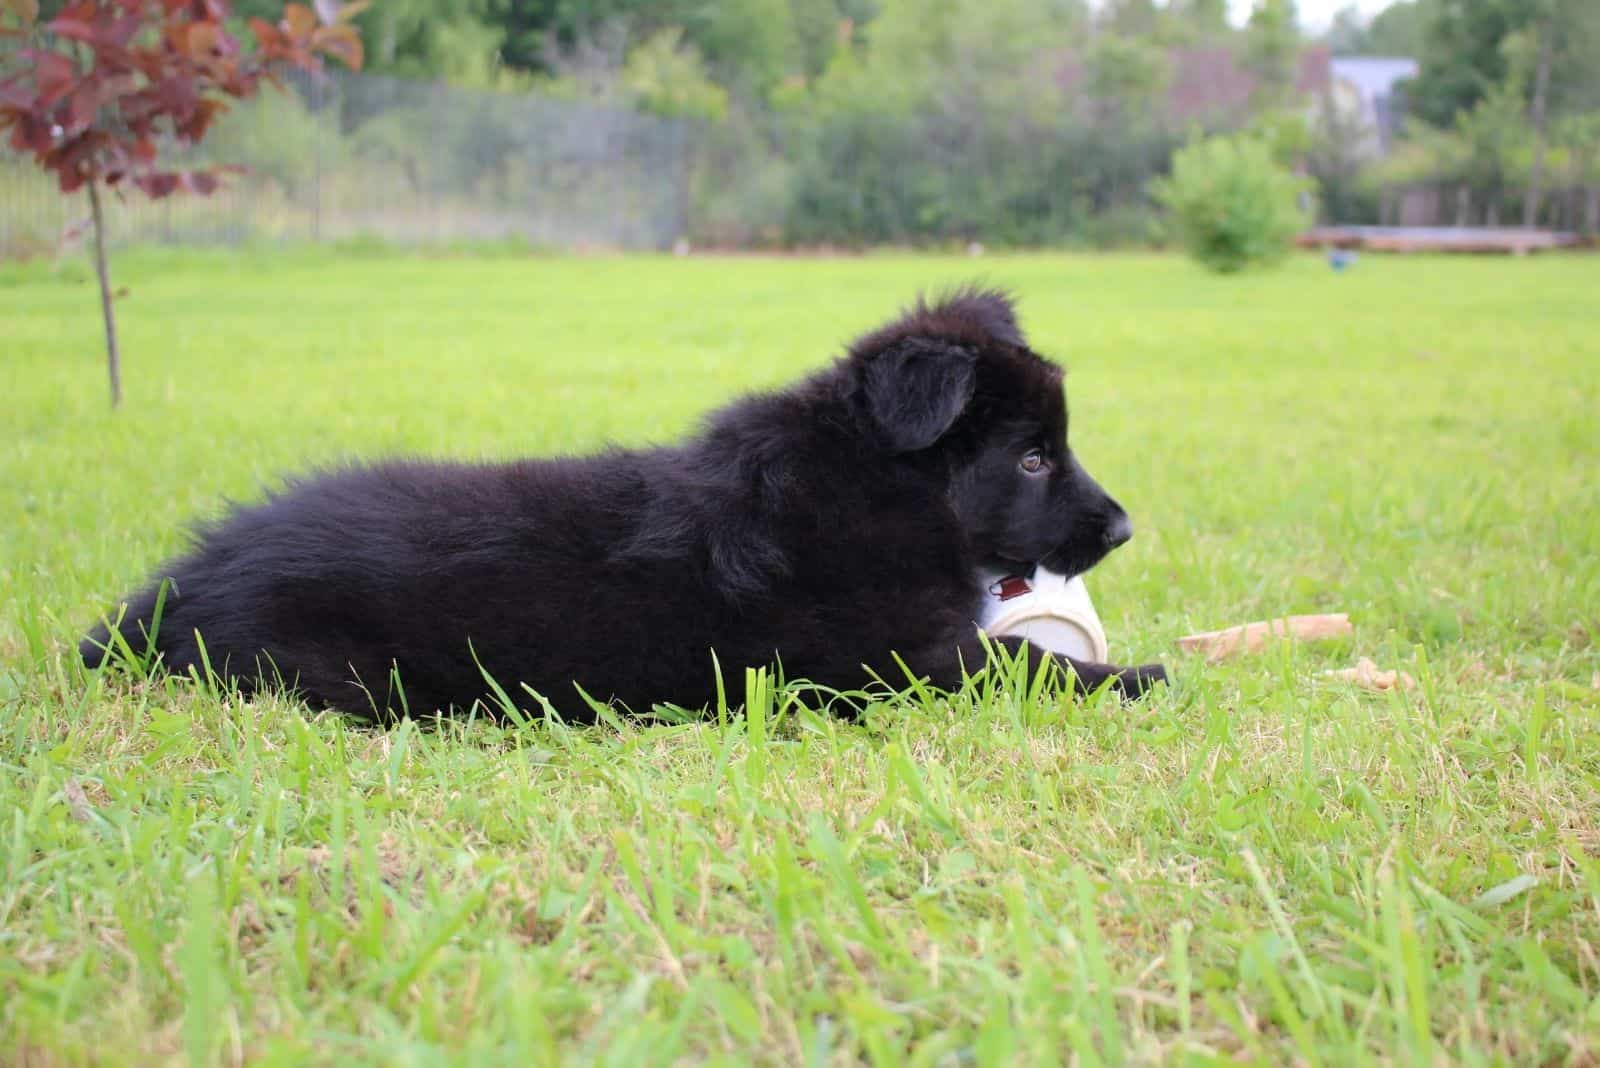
<point>916,389</point>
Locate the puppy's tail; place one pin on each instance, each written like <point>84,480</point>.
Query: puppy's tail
<point>130,630</point>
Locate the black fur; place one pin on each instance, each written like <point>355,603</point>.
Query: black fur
<point>827,527</point>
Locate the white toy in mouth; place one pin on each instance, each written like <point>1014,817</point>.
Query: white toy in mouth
<point>1045,607</point>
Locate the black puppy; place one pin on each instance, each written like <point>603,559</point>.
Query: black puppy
<point>828,527</point>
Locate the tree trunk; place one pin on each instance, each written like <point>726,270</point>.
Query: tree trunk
<point>1541,87</point>
<point>113,362</point>
<point>1591,210</point>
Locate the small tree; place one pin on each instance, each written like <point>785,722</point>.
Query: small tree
<point>1234,205</point>
<point>107,85</point>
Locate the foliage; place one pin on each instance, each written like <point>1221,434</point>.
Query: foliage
<point>751,43</point>
<point>1578,137</point>
<point>1260,866</point>
<point>1233,205</point>
<point>1286,131</point>
<point>951,126</point>
<point>1197,21</point>
<point>453,39</point>
<point>1272,52</point>
<point>1497,139</point>
<point>1498,81</point>
<point>1466,55</point>
<point>1462,59</point>
<point>1426,154</point>
<point>667,77</point>
<point>1398,30</point>
<point>1126,77</point>
<point>277,137</point>
<point>1337,151</point>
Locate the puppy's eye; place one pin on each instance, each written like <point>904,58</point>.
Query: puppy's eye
<point>1033,461</point>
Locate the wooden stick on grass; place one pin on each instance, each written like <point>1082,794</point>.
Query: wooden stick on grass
<point>1253,637</point>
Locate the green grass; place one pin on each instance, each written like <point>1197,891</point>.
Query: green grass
<point>1258,865</point>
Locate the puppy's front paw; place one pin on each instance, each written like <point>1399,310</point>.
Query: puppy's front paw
<point>1133,682</point>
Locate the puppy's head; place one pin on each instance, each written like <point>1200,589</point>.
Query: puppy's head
<point>955,383</point>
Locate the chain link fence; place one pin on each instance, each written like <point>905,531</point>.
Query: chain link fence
<point>367,156</point>
<point>370,156</point>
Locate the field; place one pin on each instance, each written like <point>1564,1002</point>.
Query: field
<point>1261,864</point>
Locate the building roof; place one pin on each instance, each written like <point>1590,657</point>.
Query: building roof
<point>1373,76</point>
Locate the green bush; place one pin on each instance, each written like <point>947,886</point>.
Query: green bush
<point>1233,206</point>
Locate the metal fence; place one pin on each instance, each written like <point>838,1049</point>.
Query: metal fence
<point>357,156</point>
<point>371,156</point>
<point>367,156</point>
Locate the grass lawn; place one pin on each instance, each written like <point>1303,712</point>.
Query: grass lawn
<point>1260,864</point>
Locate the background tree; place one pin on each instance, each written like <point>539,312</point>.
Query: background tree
<point>1501,72</point>
<point>1462,59</point>
<point>1557,60</point>
<point>1125,78</point>
<point>1398,30</point>
<point>1131,18</point>
<point>667,77</point>
<point>105,85</point>
<point>1578,139</point>
<point>1496,138</point>
<point>1198,21</point>
<point>1347,34</point>
<point>1338,147</point>
<point>1272,52</point>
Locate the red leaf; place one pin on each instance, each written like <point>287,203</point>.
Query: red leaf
<point>32,135</point>
<point>13,94</point>
<point>82,11</point>
<point>54,74</point>
<point>138,108</point>
<point>298,21</point>
<point>202,182</point>
<point>341,42</point>
<point>200,39</point>
<point>195,126</point>
<point>123,30</point>
<point>157,185</point>
<point>82,106</point>
<point>268,36</point>
<point>72,29</point>
<point>76,154</point>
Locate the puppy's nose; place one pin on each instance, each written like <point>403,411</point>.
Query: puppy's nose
<point>1118,531</point>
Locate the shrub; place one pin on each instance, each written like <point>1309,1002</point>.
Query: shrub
<point>1233,206</point>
